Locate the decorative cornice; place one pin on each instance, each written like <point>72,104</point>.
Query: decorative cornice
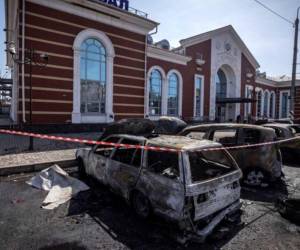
<point>167,55</point>
<point>209,35</point>
<point>100,12</point>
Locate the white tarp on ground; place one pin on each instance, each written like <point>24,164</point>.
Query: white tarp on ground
<point>60,185</point>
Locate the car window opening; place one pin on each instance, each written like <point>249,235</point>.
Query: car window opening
<point>165,164</point>
<point>128,156</point>
<point>207,165</point>
<point>225,137</point>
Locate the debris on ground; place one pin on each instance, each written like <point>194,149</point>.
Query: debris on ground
<point>289,208</point>
<point>60,185</point>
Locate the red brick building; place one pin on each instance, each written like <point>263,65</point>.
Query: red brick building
<point>102,66</point>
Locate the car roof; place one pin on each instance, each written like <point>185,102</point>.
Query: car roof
<point>226,125</point>
<point>278,125</point>
<point>181,142</point>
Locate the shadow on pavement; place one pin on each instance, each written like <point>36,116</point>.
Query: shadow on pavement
<point>117,219</point>
<point>65,246</point>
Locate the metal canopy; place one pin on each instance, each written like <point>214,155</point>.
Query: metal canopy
<point>235,100</point>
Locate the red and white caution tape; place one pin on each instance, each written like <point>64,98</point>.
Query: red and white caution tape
<point>119,145</point>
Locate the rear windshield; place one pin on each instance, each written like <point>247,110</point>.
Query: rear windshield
<point>210,164</point>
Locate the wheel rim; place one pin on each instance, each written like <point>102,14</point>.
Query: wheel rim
<point>255,178</point>
<point>141,205</point>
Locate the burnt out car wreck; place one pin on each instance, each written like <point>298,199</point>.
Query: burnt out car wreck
<point>189,187</point>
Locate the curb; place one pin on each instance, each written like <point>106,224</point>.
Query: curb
<point>35,167</point>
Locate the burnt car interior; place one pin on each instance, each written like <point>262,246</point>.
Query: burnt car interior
<point>129,156</point>
<point>227,137</point>
<point>207,165</point>
<point>165,164</point>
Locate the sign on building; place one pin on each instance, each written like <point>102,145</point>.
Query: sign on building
<point>122,4</point>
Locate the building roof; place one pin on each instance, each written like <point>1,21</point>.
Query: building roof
<point>210,34</point>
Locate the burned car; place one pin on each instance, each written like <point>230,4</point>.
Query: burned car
<point>291,149</point>
<point>260,165</point>
<point>192,188</point>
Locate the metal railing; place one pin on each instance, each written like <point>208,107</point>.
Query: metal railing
<point>138,12</point>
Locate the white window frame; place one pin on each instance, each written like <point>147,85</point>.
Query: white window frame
<point>180,82</point>
<point>202,96</point>
<point>163,93</point>
<point>280,103</point>
<point>77,116</point>
<point>249,105</point>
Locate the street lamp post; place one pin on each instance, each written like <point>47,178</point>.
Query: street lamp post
<point>31,60</point>
<point>293,87</point>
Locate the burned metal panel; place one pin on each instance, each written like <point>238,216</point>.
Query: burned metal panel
<point>166,195</point>
<point>217,199</point>
<point>121,177</point>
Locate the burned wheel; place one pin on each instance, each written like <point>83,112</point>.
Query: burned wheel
<point>141,205</point>
<point>81,168</point>
<point>256,177</point>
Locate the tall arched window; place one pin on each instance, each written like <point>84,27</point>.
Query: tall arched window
<point>92,77</point>
<point>259,103</point>
<point>155,93</point>
<point>272,101</point>
<point>266,103</point>
<point>173,89</point>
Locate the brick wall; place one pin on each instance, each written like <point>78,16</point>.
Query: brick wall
<point>53,32</point>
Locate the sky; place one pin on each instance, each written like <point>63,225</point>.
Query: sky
<point>269,38</point>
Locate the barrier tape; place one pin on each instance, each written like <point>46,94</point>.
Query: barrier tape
<point>128,146</point>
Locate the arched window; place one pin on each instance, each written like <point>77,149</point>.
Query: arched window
<point>92,77</point>
<point>259,103</point>
<point>155,93</point>
<point>221,84</point>
<point>272,101</point>
<point>266,103</point>
<point>173,89</point>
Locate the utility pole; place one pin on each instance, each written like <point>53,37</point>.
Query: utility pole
<point>293,87</point>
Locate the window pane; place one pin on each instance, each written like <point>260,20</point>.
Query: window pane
<point>198,96</point>
<point>173,95</point>
<point>266,100</point>
<point>93,70</point>
<point>155,93</point>
<point>93,77</point>
<point>284,108</point>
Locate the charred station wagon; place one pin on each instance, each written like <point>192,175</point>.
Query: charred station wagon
<point>187,187</point>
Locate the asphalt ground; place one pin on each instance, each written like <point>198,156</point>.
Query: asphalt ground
<point>98,219</point>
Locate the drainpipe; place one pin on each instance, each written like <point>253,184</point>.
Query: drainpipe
<point>146,64</point>
<point>23,59</point>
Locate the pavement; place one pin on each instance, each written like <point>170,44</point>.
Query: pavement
<point>32,162</point>
<point>98,219</point>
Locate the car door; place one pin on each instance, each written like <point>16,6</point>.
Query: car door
<point>161,182</point>
<point>123,168</point>
<point>98,159</point>
<point>253,156</point>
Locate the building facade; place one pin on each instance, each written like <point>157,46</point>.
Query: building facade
<point>103,66</point>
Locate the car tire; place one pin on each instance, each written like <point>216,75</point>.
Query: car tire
<point>141,205</point>
<point>81,168</point>
<point>256,177</point>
